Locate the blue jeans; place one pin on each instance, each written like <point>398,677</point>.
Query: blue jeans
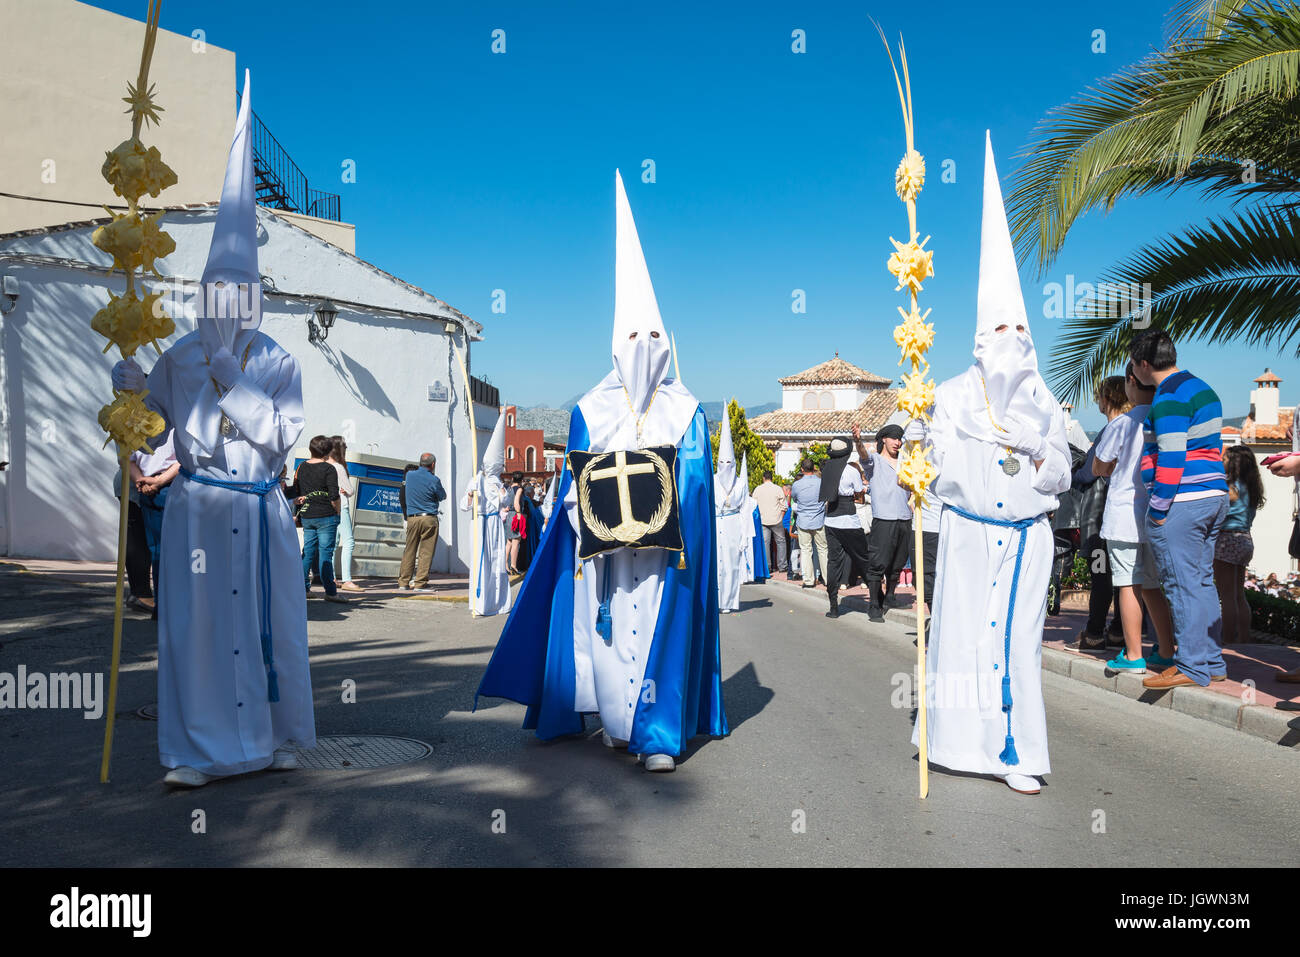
<point>318,536</point>
<point>151,510</point>
<point>1184,550</point>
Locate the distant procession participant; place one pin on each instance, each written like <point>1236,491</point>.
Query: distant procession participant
<point>234,690</point>
<point>999,442</point>
<point>734,521</point>
<point>755,560</point>
<point>842,489</point>
<point>618,612</point>
<point>891,517</point>
<point>487,497</point>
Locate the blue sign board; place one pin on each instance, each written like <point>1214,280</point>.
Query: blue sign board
<point>379,498</point>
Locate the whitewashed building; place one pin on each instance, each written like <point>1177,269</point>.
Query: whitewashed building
<point>1265,431</point>
<point>385,375</point>
<point>821,403</point>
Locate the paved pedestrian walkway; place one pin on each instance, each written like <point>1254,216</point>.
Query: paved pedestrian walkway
<point>442,586</point>
<point>1252,667</point>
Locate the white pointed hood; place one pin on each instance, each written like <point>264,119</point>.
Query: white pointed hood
<point>232,291</point>
<point>744,473</point>
<point>1006,360</point>
<point>549,500</point>
<point>640,344</point>
<point>726,470</point>
<point>494,456</point>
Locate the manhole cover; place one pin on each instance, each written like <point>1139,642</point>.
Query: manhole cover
<point>348,752</point>
<point>149,712</point>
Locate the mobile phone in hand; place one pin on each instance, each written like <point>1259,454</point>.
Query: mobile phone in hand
<point>1277,458</point>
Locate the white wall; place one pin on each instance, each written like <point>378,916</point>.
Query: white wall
<point>1271,531</point>
<point>844,397</point>
<point>369,380</point>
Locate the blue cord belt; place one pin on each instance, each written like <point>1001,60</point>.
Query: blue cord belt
<point>1008,755</point>
<point>261,490</point>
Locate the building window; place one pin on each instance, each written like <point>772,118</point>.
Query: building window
<point>810,401</point>
<point>828,401</point>
<point>530,459</point>
<point>510,453</point>
<point>510,421</point>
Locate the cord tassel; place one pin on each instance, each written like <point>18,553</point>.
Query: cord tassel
<point>1008,755</point>
<point>681,560</point>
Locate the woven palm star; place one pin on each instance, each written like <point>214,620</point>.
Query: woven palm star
<point>141,102</point>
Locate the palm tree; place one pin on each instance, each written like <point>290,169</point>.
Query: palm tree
<point>1217,111</point>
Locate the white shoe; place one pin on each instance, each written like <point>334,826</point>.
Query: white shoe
<point>657,762</point>
<point>724,611</point>
<point>610,742</point>
<point>283,760</point>
<point>1022,783</point>
<point>186,778</point>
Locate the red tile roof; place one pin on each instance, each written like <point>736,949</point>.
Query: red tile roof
<point>1268,434</point>
<point>869,416</point>
<point>1268,377</point>
<point>835,372</point>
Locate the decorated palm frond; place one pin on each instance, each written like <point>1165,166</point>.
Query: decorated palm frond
<point>1231,280</point>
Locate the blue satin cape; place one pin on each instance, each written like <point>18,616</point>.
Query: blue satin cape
<point>533,660</point>
<point>761,568</point>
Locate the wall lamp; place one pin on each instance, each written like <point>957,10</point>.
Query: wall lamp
<point>326,312</point>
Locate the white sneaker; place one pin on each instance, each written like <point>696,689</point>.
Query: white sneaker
<point>186,778</point>
<point>1022,783</point>
<point>657,762</point>
<point>283,760</point>
<point>610,742</point>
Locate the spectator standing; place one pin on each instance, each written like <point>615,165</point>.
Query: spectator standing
<point>1182,466</point>
<point>316,490</point>
<point>790,538</point>
<point>810,522</point>
<point>1233,550</point>
<point>347,540</point>
<point>891,516</point>
<point>137,550</point>
<point>513,530</point>
<point>771,513</point>
<point>423,491</point>
<point>151,474</point>
<point>1289,467</point>
<point>1118,456</point>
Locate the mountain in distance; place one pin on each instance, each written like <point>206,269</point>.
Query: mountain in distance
<point>554,423</point>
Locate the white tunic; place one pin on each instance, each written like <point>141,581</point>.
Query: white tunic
<point>747,557</point>
<point>213,713</point>
<point>490,583</point>
<point>966,659</point>
<point>735,540</point>
<point>609,676</point>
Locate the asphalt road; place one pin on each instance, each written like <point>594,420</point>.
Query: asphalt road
<point>819,736</point>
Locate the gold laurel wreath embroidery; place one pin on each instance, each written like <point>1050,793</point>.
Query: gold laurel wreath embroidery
<point>657,520</point>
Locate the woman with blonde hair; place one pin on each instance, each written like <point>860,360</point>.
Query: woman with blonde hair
<point>338,457</point>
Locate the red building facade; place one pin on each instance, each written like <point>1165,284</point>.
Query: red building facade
<point>524,448</point>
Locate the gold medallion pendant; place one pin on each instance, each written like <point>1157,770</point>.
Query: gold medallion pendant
<point>226,425</point>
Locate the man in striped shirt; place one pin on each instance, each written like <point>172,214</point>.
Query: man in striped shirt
<point>1182,466</point>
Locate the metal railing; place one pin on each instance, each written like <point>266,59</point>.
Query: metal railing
<point>484,393</point>
<point>281,184</point>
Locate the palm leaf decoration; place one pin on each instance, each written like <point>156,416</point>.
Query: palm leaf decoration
<point>1217,111</point>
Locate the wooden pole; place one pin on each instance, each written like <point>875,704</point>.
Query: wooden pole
<point>918,583</point>
<point>474,570</point>
<point>106,761</point>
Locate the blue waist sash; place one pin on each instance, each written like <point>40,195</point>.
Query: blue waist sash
<point>261,490</point>
<point>1008,755</point>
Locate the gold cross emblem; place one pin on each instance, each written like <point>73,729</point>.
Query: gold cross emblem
<point>628,528</point>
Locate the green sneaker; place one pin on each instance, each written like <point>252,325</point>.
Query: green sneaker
<point>1159,661</point>
<point>1121,663</point>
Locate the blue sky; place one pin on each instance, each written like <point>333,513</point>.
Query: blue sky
<point>774,170</point>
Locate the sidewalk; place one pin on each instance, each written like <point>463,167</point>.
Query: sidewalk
<point>1250,700</point>
<point>441,587</point>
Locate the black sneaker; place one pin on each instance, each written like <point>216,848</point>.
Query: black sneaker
<point>875,613</point>
<point>1087,642</point>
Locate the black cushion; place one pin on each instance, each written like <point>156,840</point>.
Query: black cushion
<point>635,509</point>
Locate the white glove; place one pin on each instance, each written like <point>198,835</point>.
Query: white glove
<point>916,431</point>
<point>225,367</point>
<point>128,376</point>
<point>1017,434</point>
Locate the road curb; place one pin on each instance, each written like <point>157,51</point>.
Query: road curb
<point>1280,727</point>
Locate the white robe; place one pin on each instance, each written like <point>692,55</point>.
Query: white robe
<point>490,585</point>
<point>966,658</point>
<point>735,540</point>
<point>609,676</point>
<point>213,712</point>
